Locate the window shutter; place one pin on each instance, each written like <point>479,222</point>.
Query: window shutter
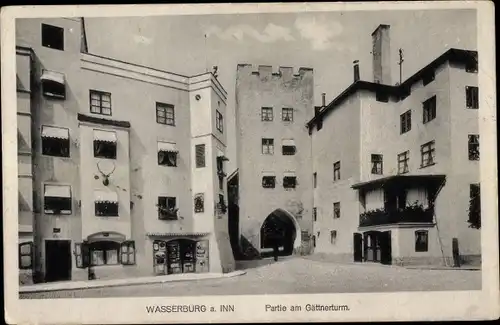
<point>200,155</point>
<point>124,253</point>
<point>127,252</point>
<point>78,255</point>
<point>26,255</point>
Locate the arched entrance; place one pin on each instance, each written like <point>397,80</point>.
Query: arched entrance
<point>280,229</point>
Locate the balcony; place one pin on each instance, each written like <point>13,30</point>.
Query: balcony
<point>409,214</point>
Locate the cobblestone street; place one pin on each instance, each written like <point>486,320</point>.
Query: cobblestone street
<point>295,275</point>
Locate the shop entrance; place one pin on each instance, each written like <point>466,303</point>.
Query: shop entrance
<point>180,256</point>
<point>377,246</point>
<point>57,260</point>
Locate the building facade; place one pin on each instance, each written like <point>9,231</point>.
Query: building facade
<point>125,160</point>
<point>397,166</point>
<point>274,178</point>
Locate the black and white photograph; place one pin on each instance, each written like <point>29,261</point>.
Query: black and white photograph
<point>254,154</point>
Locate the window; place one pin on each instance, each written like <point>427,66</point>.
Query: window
<point>377,164</point>
<point>475,206</point>
<point>104,144</point>
<point>55,141</point>
<point>220,165</point>
<point>421,241</point>
<point>289,181</point>
<point>100,102</point>
<point>26,255</point>
<point>428,154</point>
<point>106,203</point>
<point>200,155</point>
<point>104,253</point>
<point>165,114</point>
<point>269,181</point>
<point>403,159</point>
<point>381,97</point>
<point>336,171</point>
<point>221,183</point>
<point>268,146</point>
<point>472,64</point>
<point>428,77</point>
<point>167,154</point>
<point>429,109</point>
<point>199,203</point>
<point>57,199</point>
<point>167,209</point>
<point>81,253</point>
<point>405,121</point>
<point>53,84</point>
<point>266,114</point>
<point>287,114</point>
<point>221,206</point>
<point>472,97</point>
<point>53,37</point>
<point>315,180</point>
<point>333,236</point>
<point>219,121</point>
<point>336,210</point>
<point>315,214</point>
<point>288,147</point>
<point>127,252</point>
<point>473,146</point>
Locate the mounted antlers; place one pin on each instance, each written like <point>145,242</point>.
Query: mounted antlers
<point>105,181</point>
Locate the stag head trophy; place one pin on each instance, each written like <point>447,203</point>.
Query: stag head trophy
<point>106,174</point>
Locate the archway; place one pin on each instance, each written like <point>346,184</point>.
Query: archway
<point>281,229</point>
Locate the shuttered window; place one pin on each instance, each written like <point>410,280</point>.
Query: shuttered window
<point>200,155</point>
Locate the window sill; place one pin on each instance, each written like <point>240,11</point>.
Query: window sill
<point>104,158</point>
<point>428,165</point>
<point>117,216</point>
<point>54,96</point>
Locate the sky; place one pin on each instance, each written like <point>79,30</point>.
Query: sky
<point>328,42</point>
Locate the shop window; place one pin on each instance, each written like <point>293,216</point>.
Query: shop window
<point>289,181</point>
<point>104,253</point>
<point>428,152</point>
<point>269,181</point>
<point>405,122</point>
<point>57,199</point>
<point>472,97</point>
<point>200,155</point>
<point>104,144</point>
<point>473,146</point>
<point>165,114</point>
<point>100,102</point>
<point>219,121</point>
<point>421,241</point>
<point>127,252</point>
<point>403,160</point>
<point>336,171</point>
<point>167,208</point>
<point>287,114</point>
<point>377,164</point>
<point>429,109</point>
<point>53,37</point>
<point>167,154</point>
<point>55,141</point>
<point>266,114</point>
<point>428,77</point>
<point>267,146</point>
<point>199,203</point>
<point>26,255</point>
<point>336,210</point>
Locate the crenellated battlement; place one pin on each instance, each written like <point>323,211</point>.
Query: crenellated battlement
<point>266,72</point>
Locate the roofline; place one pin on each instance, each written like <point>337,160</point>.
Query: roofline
<point>451,54</point>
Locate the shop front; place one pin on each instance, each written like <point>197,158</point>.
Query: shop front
<point>176,255</point>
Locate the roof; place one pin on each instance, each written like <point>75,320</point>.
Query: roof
<point>453,55</point>
<point>414,180</point>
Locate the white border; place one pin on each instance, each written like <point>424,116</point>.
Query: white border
<point>400,306</point>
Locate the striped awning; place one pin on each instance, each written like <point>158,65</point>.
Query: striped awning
<point>167,147</point>
<point>180,234</point>
<point>106,136</point>
<point>288,142</point>
<point>53,76</point>
<point>289,174</point>
<point>105,196</point>
<point>55,132</point>
<point>63,191</point>
<point>264,174</point>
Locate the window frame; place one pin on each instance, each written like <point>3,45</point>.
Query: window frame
<point>219,121</point>
<point>287,112</point>
<point>377,162</point>
<point>169,114</point>
<point>31,246</point>
<point>66,142</point>
<point>98,110</point>
<point>289,182</point>
<point>336,171</point>
<point>269,144</point>
<point>472,97</point>
<point>199,197</point>
<point>54,29</point>
<point>168,205</point>
<point>473,147</point>
<point>163,158</point>
<point>200,155</point>
<point>405,161</point>
<point>270,184</point>
<point>422,247</point>
<point>336,210</point>
<point>405,122</point>
<point>266,114</point>
<point>131,251</point>
<point>428,149</point>
<point>429,109</point>
<point>105,257</point>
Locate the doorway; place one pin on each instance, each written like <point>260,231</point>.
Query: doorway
<point>57,260</point>
<point>278,230</point>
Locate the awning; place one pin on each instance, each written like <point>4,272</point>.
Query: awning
<point>55,132</point>
<point>267,174</point>
<point>167,147</point>
<point>63,191</point>
<point>289,174</point>
<point>180,234</point>
<point>107,136</point>
<point>53,76</point>
<point>288,142</point>
<point>221,155</point>
<point>106,236</point>
<point>402,180</point>
<point>105,196</point>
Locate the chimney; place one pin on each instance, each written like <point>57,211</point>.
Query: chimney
<point>356,70</point>
<point>323,99</point>
<point>382,55</point>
